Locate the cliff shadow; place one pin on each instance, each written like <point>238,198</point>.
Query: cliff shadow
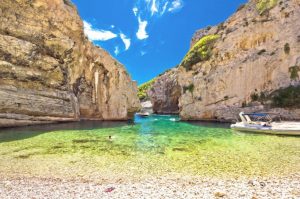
<point>20,133</point>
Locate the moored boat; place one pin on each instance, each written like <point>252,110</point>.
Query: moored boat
<point>262,123</point>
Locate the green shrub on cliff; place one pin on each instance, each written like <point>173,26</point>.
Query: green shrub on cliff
<point>68,2</point>
<point>287,98</point>
<point>201,51</point>
<point>294,72</point>
<point>189,88</point>
<point>265,5</point>
<point>143,89</point>
<point>287,48</point>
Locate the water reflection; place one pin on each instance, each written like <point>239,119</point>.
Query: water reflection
<point>18,133</point>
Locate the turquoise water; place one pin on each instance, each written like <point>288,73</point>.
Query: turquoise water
<point>156,146</point>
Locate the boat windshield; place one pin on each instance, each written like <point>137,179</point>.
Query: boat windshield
<point>259,116</point>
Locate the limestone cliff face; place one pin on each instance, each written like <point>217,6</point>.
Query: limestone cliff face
<point>230,66</point>
<point>50,72</point>
<point>165,93</point>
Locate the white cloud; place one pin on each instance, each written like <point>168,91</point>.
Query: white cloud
<point>153,7</point>
<point>97,35</point>
<point>142,34</point>
<point>126,41</point>
<point>117,50</point>
<point>135,11</point>
<point>176,5</point>
<point>112,26</point>
<point>158,8</point>
<point>164,8</point>
<point>151,10</point>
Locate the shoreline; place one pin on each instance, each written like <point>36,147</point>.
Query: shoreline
<point>153,187</point>
<point>82,121</point>
<point>212,121</point>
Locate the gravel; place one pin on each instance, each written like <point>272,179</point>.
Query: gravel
<point>162,187</point>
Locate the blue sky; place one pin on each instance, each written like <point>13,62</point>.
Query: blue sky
<point>150,36</point>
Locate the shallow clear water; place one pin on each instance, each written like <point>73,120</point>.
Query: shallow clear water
<point>156,146</point>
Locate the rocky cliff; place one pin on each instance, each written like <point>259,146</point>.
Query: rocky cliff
<point>165,92</point>
<point>50,72</point>
<point>251,62</point>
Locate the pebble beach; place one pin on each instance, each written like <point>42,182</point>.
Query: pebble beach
<point>163,187</point>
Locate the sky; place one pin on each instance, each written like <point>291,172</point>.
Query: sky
<point>150,36</point>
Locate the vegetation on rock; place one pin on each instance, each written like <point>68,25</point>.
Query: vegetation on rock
<point>189,88</point>
<point>255,97</point>
<point>265,5</point>
<point>68,2</point>
<point>282,98</point>
<point>287,48</point>
<point>201,51</point>
<point>143,89</point>
<point>294,72</point>
<point>287,97</point>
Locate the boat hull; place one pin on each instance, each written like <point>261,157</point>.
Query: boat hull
<point>266,131</point>
<point>275,128</point>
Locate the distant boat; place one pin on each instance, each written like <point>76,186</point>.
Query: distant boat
<point>262,123</point>
<point>143,114</point>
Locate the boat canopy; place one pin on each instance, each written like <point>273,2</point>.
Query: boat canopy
<point>260,116</point>
<point>256,114</point>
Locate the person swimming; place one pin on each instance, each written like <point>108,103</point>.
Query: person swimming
<point>110,138</point>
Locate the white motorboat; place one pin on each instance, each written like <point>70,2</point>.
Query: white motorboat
<point>262,123</point>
